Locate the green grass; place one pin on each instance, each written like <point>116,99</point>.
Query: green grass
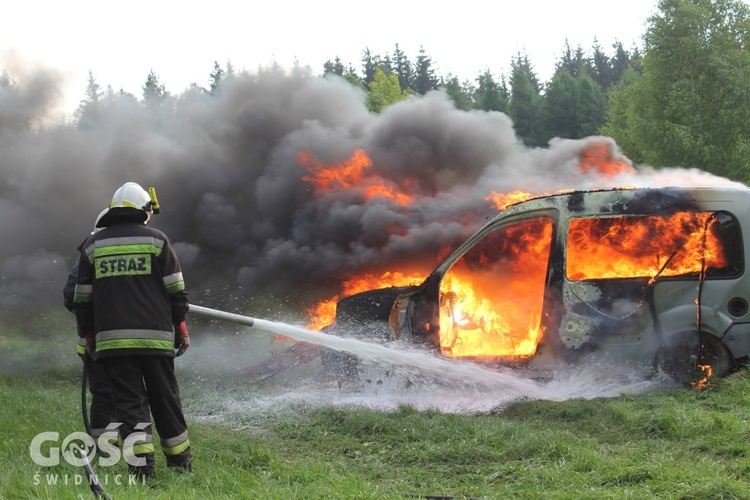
<point>670,444</point>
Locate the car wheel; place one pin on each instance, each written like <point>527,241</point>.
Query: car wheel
<point>690,357</point>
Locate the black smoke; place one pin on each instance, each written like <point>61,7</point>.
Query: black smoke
<point>230,182</point>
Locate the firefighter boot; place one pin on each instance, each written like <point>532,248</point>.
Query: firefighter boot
<point>144,473</point>
<point>183,460</point>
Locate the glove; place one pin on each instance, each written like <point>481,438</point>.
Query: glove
<point>90,343</point>
<point>181,338</point>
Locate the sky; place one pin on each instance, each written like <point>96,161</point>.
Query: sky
<point>120,43</point>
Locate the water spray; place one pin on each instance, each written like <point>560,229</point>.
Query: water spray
<point>411,359</point>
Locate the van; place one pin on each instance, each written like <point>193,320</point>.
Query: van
<point>649,277</point>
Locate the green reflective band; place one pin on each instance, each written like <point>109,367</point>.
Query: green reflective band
<point>108,250</point>
<point>81,349</point>
<point>106,345</point>
<point>125,204</point>
<point>176,450</point>
<point>122,265</point>
<point>176,287</point>
<point>81,298</point>
<point>139,449</point>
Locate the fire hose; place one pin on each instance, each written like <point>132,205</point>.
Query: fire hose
<point>96,488</point>
<point>222,315</point>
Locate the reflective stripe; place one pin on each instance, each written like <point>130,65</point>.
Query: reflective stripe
<point>139,449</point>
<point>134,344</point>
<point>176,450</point>
<point>174,283</point>
<point>172,279</point>
<point>82,294</point>
<point>145,445</point>
<point>123,204</point>
<point>175,445</point>
<point>175,441</point>
<point>134,334</point>
<point>81,299</point>
<point>125,241</point>
<point>124,250</point>
<point>134,339</point>
<point>81,346</point>
<point>177,287</point>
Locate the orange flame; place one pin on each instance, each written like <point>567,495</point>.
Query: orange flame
<point>599,157</point>
<point>351,175</point>
<point>501,201</point>
<point>630,247</point>
<point>491,299</point>
<point>704,382</point>
<point>324,312</point>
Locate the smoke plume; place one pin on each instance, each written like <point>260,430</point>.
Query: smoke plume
<point>231,180</point>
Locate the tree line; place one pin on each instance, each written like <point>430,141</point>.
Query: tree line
<point>572,105</point>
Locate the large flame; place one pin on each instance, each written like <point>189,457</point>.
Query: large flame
<point>352,175</point>
<point>632,247</point>
<point>492,299</point>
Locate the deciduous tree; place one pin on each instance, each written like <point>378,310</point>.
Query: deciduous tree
<point>384,91</point>
<point>691,106</point>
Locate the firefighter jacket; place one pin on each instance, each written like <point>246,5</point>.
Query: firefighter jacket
<point>130,290</point>
<point>70,286</point>
<point>68,295</point>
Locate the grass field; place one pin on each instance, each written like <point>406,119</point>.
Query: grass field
<point>675,443</point>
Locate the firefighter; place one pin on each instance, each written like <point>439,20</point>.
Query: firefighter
<point>130,302</point>
<point>101,411</point>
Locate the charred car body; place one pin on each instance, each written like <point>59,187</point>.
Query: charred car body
<point>649,277</point>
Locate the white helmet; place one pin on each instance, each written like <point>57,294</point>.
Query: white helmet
<point>129,200</point>
<point>131,195</point>
<point>98,218</point>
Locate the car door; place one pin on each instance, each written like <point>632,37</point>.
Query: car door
<point>492,297</point>
<point>613,264</point>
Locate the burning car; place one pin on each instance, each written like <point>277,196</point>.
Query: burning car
<point>647,277</point>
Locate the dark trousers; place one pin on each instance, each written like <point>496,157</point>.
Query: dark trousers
<point>101,411</point>
<point>140,384</point>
